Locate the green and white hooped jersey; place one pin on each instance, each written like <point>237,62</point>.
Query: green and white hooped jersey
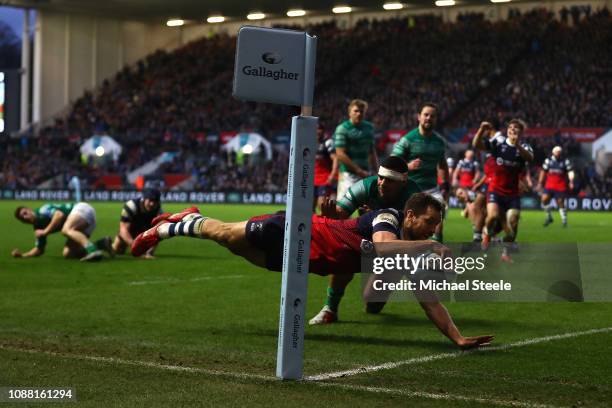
<point>431,151</point>
<point>357,140</point>
<point>43,217</point>
<point>365,192</point>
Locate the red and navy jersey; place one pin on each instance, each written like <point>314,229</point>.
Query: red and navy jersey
<point>467,172</point>
<point>335,246</point>
<point>556,173</point>
<point>323,161</point>
<point>489,167</point>
<point>507,167</point>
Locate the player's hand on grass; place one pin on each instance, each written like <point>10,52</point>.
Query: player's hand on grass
<point>148,256</point>
<point>40,233</point>
<point>414,164</point>
<point>466,343</point>
<point>15,253</point>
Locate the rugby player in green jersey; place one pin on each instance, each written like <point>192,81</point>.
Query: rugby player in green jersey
<point>390,189</point>
<point>424,150</point>
<point>75,221</point>
<point>355,152</point>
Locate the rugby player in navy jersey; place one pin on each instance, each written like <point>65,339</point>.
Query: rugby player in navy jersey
<point>503,196</point>
<point>559,175</point>
<point>335,246</point>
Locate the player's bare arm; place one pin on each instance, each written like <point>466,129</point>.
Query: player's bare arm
<point>124,232</point>
<point>55,225</point>
<point>333,175</point>
<point>484,129</point>
<point>350,164</point>
<point>34,252</point>
<point>373,158</point>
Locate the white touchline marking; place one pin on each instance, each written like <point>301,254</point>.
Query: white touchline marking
<point>352,387</point>
<point>422,394</point>
<point>202,278</point>
<point>137,363</point>
<point>434,357</point>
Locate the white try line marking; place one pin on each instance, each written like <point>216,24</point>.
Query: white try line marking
<point>441,356</point>
<point>247,376</point>
<point>201,278</point>
<point>429,395</point>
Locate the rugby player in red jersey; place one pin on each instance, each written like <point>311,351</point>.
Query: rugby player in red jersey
<point>559,176</point>
<point>335,246</point>
<point>467,171</point>
<point>326,167</point>
<point>503,197</point>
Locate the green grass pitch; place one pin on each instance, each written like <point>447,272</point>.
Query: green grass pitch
<point>118,331</point>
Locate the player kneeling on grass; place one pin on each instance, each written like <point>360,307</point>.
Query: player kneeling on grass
<point>335,246</point>
<point>75,221</point>
<point>136,217</point>
<point>391,188</point>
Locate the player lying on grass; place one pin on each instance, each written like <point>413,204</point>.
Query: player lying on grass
<point>136,217</point>
<point>391,188</point>
<point>75,221</point>
<point>335,246</point>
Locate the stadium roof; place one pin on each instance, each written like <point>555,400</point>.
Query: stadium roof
<point>199,10</point>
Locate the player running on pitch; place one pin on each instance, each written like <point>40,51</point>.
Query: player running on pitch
<point>503,197</point>
<point>136,217</point>
<point>423,149</point>
<point>335,244</point>
<point>355,151</point>
<point>557,173</point>
<point>391,188</point>
<point>75,221</point>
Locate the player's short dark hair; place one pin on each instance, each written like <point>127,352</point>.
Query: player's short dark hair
<point>152,194</point>
<point>420,202</point>
<point>518,122</point>
<point>395,163</point>
<point>428,104</point>
<point>18,211</point>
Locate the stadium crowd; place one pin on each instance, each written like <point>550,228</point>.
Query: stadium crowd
<point>534,65</point>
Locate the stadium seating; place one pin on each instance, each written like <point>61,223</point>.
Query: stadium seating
<point>473,68</point>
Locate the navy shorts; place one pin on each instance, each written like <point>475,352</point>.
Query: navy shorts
<point>556,193</point>
<point>267,233</point>
<point>324,190</point>
<point>505,202</point>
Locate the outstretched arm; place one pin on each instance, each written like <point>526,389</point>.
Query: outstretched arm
<point>478,142</point>
<point>437,313</point>
<point>31,253</point>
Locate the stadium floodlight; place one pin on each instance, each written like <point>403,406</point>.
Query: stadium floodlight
<point>278,66</point>
<point>341,9</point>
<point>215,19</point>
<point>501,1</point>
<point>100,151</point>
<point>175,22</point>
<point>445,3</point>
<point>256,16</point>
<point>393,6</point>
<point>296,13</point>
<point>247,149</point>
